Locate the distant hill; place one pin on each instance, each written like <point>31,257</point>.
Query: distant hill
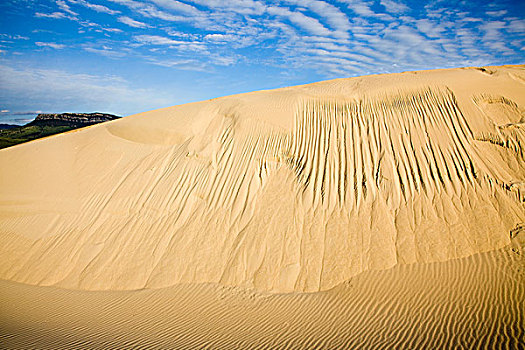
<point>47,125</point>
<point>8,126</point>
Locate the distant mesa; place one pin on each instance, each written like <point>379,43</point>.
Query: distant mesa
<point>47,125</point>
<point>76,120</point>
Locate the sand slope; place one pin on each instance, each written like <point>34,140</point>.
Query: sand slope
<point>296,189</point>
<point>469,303</point>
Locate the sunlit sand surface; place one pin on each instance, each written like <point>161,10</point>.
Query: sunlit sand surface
<point>374,212</point>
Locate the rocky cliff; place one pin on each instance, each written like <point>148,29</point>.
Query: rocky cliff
<point>72,119</point>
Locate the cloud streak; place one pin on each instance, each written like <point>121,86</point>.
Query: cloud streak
<point>94,7</point>
<point>132,23</point>
<point>51,45</point>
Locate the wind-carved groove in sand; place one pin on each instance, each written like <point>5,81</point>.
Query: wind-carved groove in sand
<point>342,152</point>
<point>405,145</point>
<point>510,137</point>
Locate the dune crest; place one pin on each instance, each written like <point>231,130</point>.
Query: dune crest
<point>296,189</point>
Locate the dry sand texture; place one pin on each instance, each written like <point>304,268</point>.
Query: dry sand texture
<point>470,303</point>
<point>291,190</point>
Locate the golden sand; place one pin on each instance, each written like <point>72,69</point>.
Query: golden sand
<point>396,201</point>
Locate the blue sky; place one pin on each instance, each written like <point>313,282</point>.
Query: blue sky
<point>128,56</point>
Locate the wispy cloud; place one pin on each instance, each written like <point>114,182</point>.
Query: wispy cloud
<point>55,15</point>
<point>132,23</point>
<point>309,24</point>
<point>221,37</point>
<point>3,37</point>
<point>497,13</point>
<point>178,7</point>
<point>164,41</point>
<point>151,11</point>
<point>395,7</point>
<point>105,51</point>
<point>333,16</point>
<point>184,64</point>
<point>65,7</point>
<point>244,7</point>
<point>429,28</point>
<point>111,30</point>
<point>51,45</point>
<point>95,7</point>
<point>360,7</point>
<point>156,40</point>
<point>50,88</point>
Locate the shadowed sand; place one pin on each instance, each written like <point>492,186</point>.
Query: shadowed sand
<point>294,190</point>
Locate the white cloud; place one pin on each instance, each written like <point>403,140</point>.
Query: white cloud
<point>492,30</point>
<point>309,24</point>
<point>51,45</point>
<point>220,37</point>
<point>132,4</point>
<point>497,13</point>
<point>178,7</point>
<point>105,51</point>
<point>493,37</point>
<point>153,12</point>
<point>156,40</point>
<point>516,26</point>
<point>95,7</point>
<point>150,11</point>
<point>82,22</point>
<point>13,37</point>
<point>65,7</point>
<point>360,7</point>
<point>430,28</point>
<point>357,58</point>
<point>111,30</point>
<point>223,60</point>
<point>55,15</point>
<point>183,63</point>
<point>245,7</point>
<point>180,34</point>
<point>471,19</point>
<point>132,23</point>
<point>177,44</point>
<point>395,7</point>
<point>331,14</point>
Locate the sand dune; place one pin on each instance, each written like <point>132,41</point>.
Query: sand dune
<point>294,190</point>
<point>469,303</point>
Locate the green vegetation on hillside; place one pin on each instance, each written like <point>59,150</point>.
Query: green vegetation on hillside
<point>49,124</point>
<point>14,136</point>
